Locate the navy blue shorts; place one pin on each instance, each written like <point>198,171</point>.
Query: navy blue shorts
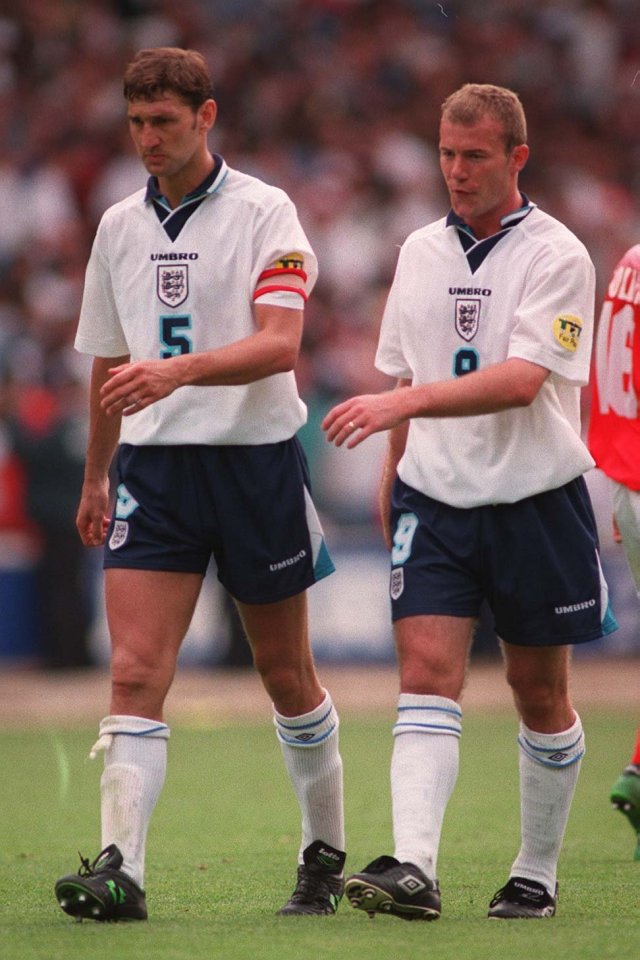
<point>247,506</point>
<point>535,562</point>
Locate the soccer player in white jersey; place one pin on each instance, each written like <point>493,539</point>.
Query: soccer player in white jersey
<point>488,328</point>
<point>614,441</point>
<point>193,312</point>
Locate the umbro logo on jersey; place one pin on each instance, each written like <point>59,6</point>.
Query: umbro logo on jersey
<point>174,256</point>
<point>470,291</point>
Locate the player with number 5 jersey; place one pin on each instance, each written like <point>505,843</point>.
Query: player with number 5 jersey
<point>190,288</point>
<point>193,312</point>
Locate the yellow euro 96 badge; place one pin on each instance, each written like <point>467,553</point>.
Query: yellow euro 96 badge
<point>567,330</point>
<point>290,261</point>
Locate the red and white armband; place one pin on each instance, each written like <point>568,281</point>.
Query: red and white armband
<point>283,283</point>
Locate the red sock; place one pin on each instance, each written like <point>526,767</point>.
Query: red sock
<point>635,758</point>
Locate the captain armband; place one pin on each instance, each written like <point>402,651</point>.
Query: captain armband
<point>283,283</point>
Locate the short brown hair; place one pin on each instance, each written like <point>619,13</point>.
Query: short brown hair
<point>474,100</point>
<point>168,70</point>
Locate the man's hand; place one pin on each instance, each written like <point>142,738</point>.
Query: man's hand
<point>91,519</point>
<point>133,386</point>
<point>356,419</point>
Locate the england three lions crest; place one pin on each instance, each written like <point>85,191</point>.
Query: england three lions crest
<point>467,318</point>
<point>173,284</point>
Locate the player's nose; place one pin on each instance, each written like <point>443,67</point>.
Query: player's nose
<point>458,169</point>
<point>148,136</point>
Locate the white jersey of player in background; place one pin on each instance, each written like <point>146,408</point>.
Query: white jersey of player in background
<point>149,296</point>
<point>457,305</point>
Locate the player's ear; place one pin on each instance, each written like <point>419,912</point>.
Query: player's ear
<point>208,113</point>
<point>520,155</point>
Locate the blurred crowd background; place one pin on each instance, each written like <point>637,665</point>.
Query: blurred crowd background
<point>336,101</point>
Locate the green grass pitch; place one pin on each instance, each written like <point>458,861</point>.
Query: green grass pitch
<point>222,850</point>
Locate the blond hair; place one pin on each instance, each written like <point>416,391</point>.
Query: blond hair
<point>473,101</point>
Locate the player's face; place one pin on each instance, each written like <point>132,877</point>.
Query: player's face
<point>169,135</point>
<point>481,177</point>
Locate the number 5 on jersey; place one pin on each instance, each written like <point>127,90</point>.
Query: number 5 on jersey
<point>172,338</point>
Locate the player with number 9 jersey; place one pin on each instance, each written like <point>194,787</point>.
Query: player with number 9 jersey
<point>487,330</point>
<point>526,292</point>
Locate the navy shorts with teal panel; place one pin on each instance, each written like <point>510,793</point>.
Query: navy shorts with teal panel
<point>247,506</point>
<point>535,562</point>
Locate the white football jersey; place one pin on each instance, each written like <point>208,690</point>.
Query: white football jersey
<point>457,305</point>
<point>151,296</point>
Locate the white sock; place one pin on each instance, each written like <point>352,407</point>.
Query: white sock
<point>311,754</point>
<point>135,765</point>
<point>549,768</point>
<point>424,769</point>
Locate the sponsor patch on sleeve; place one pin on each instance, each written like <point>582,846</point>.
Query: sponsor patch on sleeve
<point>567,329</point>
<point>290,261</point>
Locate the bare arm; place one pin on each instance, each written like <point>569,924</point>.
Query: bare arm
<point>502,386</point>
<point>104,431</point>
<point>396,443</point>
<point>273,348</point>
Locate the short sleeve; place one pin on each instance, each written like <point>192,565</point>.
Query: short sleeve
<point>554,322</point>
<point>99,330</point>
<point>390,358</point>
<point>284,262</point>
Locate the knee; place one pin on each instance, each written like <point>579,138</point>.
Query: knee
<point>443,678</point>
<point>277,676</point>
<point>137,683</point>
<point>537,687</point>
<point>293,687</point>
<point>283,682</point>
<point>541,700</point>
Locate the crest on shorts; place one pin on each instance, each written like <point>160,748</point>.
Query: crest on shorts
<point>396,586</point>
<point>467,317</point>
<point>119,534</point>
<point>173,284</point>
